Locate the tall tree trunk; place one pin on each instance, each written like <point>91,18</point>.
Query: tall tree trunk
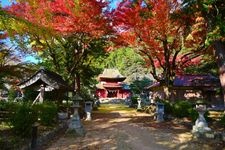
<point>220,57</point>
<point>77,83</point>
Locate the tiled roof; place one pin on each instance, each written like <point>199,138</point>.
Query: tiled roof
<point>46,77</point>
<point>111,73</point>
<point>196,80</point>
<point>189,80</point>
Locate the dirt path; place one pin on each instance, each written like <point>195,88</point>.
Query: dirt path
<point>129,130</point>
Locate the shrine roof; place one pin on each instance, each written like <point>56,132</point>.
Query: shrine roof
<point>111,74</point>
<point>123,86</point>
<point>46,77</point>
<point>196,80</point>
<point>190,80</point>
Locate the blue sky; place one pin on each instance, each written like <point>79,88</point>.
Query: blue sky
<point>6,2</point>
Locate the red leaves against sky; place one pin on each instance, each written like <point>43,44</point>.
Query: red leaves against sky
<point>150,27</point>
<point>65,16</point>
<point>147,25</point>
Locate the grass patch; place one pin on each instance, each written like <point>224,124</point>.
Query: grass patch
<point>107,108</point>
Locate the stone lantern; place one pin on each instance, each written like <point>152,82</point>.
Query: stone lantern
<point>139,103</point>
<point>201,125</point>
<point>75,124</point>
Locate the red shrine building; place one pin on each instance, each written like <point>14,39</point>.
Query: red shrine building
<point>111,85</point>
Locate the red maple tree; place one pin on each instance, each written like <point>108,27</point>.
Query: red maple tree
<point>57,21</point>
<point>64,17</point>
<point>167,40</point>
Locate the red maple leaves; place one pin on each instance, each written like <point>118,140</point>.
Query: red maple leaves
<point>65,16</point>
<point>157,30</point>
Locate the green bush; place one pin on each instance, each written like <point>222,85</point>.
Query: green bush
<point>181,109</point>
<point>168,107</point>
<point>3,105</point>
<point>193,114</point>
<point>9,108</point>
<point>23,119</point>
<point>12,94</point>
<point>222,120</point>
<point>134,99</point>
<point>47,113</point>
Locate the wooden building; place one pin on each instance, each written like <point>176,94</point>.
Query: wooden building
<point>111,85</point>
<point>190,87</point>
<point>47,83</point>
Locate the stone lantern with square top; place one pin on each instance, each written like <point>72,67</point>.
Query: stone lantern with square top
<point>75,124</point>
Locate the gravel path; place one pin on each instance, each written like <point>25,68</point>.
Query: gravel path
<point>123,130</point>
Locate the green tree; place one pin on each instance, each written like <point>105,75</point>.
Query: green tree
<point>11,67</point>
<point>83,63</point>
<point>137,86</point>
<point>128,62</point>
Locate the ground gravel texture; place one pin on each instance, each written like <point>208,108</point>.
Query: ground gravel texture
<point>127,129</point>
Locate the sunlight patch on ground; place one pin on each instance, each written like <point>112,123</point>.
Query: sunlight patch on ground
<point>107,108</point>
<point>119,120</point>
<point>185,137</point>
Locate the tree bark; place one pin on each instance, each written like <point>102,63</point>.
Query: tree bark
<point>77,83</point>
<point>220,57</point>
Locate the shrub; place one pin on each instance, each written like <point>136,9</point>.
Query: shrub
<point>168,107</point>
<point>3,105</point>
<point>222,120</point>
<point>12,94</point>
<point>180,109</point>
<point>23,119</point>
<point>193,114</point>
<point>134,99</point>
<point>47,113</point>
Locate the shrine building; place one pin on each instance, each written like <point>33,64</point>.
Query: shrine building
<point>111,85</point>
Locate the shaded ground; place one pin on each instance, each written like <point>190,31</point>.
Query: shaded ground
<point>115,127</point>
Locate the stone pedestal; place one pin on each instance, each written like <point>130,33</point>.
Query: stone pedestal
<point>159,112</point>
<point>201,125</point>
<point>88,110</point>
<point>139,104</point>
<point>75,123</point>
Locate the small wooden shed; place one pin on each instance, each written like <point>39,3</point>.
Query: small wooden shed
<point>46,81</point>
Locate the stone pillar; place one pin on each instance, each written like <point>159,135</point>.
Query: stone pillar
<point>159,112</point>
